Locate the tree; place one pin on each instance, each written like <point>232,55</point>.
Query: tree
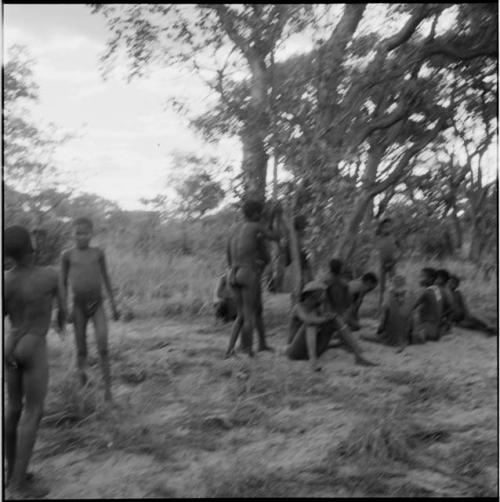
<point>240,33</point>
<point>28,148</point>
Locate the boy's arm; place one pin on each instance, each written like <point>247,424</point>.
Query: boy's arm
<point>107,283</point>
<point>14,335</point>
<point>62,313</point>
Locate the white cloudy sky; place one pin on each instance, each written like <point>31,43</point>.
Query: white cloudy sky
<point>126,133</point>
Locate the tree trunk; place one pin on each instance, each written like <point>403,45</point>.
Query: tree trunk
<point>459,240</point>
<point>295,255</point>
<point>254,131</point>
<point>363,201</point>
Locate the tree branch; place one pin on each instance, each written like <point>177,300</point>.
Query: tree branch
<point>400,169</point>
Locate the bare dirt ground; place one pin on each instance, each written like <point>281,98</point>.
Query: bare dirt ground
<point>188,423</point>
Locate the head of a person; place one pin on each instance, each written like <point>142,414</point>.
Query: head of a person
<point>385,226</point>
<point>398,289</point>
<point>453,282</point>
<point>313,293</point>
<point>442,277</point>
<point>83,229</point>
<point>335,267</point>
<point>252,209</point>
<point>369,282</point>
<point>427,276</point>
<point>17,243</point>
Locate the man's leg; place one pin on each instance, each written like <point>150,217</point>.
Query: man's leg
<point>34,381</point>
<point>248,300</point>
<point>353,344</point>
<point>13,414</point>
<point>80,329</point>
<point>101,336</point>
<point>238,323</point>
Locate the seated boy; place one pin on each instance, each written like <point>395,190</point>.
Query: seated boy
<point>427,308</point>
<point>224,300</point>
<point>28,296</point>
<point>396,322</point>
<point>461,316</point>
<point>310,330</point>
<point>358,288</point>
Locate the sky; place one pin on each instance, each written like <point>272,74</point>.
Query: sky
<point>125,132</point>
<point>126,135</point>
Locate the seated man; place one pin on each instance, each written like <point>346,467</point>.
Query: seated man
<point>358,288</point>
<point>461,316</point>
<point>224,300</point>
<point>310,330</point>
<point>427,309</point>
<point>396,322</point>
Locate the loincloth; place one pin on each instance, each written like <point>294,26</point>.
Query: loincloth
<point>88,305</point>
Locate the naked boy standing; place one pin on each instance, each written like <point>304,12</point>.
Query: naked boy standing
<point>85,267</point>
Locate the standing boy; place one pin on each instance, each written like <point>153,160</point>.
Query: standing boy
<point>86,269</point>
<point>428,308</point>
<point>28,296</point>
<point>247,256</point>
<point>389,254</point>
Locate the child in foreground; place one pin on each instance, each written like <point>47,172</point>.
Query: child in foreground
<point>86,269</point>
<point>28,296</point>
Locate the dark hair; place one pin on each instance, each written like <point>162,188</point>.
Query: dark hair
<point>429,272</point>
<point>336,266</point>
<point>252,206</point>
<point>83,220</point>
<point>17,242</point>
<point>443,273</point>
<point>370,277</point>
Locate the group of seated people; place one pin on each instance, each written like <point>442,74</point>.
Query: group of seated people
<point>330,308</point>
